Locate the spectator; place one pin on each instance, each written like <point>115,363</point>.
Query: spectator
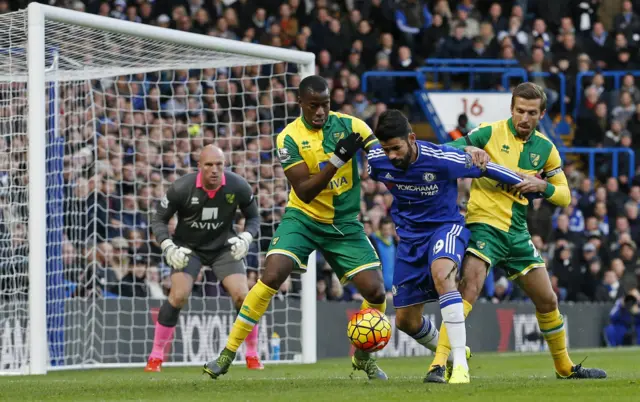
<point>539,220</point>
<point>412,17</point>
<point>610,289</point>
<point>385,243</point>
<point>461,129</point>
<point>149,129</point>
<point>628,21</point>
<point>623,319</point>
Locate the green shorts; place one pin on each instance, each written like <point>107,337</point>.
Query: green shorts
<point>513,251</point>
<point>345,246</point>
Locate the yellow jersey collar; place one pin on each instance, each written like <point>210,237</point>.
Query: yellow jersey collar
<point>512,128</point>
<point>309,126</point>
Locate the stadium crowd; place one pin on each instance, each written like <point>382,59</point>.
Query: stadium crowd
<point>151,126</point>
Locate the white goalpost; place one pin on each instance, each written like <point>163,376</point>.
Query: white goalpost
<point>97,117</point>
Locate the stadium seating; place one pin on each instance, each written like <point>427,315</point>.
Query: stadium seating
<point>376,57</point>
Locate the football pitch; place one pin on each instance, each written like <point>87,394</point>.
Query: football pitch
<point>510,377</point>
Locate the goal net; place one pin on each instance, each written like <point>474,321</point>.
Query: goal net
<point>97,118</point>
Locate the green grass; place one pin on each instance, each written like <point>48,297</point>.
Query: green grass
<point>508,377</point>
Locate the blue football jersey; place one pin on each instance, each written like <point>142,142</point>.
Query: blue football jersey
<point>425,195</point>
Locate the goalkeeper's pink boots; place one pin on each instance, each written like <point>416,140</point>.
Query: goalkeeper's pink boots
<point>253,363</point>
<point>155,365</point>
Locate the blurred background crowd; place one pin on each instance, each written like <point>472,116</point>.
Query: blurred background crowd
<point>129,137</point>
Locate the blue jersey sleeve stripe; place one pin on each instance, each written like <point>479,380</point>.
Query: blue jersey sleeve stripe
<point>441,154</point>
<point>434,151</point>
<point>501,174</point>
<point>504,170</point>
<point>457,159</point>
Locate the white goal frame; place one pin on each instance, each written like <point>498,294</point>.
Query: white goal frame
<point>37,14</point>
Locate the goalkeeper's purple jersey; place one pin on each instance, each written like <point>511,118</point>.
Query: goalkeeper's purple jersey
<point>425,195</point>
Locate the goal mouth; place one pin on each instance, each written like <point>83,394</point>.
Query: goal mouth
<point>99,116</point>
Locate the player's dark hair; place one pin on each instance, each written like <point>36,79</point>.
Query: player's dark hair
<point>529,91</point>
<point>392,124</point>
<point>313,83</point>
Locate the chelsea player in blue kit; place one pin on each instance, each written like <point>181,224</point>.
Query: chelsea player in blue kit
<point>423,180</point>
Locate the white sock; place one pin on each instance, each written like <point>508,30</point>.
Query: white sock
<point>428,335</point>
<point>453,317</point>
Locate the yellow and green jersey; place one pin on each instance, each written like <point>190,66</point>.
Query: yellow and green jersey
<point>299,143</point>
<point>497,204</point>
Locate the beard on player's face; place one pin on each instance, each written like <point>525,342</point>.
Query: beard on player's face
<point>404,161</point>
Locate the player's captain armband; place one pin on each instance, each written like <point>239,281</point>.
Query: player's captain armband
<point>466,137</point>
<point>284,155</point>
<point>371,139</point>
<point>551,173</point>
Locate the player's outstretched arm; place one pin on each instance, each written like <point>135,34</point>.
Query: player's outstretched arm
<point>502,174</point>
<point>508,176</point>
<point>478,137</point>
<point>307,186</point>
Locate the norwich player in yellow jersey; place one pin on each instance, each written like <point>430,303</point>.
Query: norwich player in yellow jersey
<point>497,219</point>
<point>316,151</point>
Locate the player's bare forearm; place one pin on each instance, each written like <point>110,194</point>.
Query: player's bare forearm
<point>307,186</point>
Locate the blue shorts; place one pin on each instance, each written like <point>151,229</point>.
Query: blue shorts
<point>412,282</point>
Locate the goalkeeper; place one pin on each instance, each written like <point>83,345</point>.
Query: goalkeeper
<point>206,203</point>
<point>497,219</point>
<point>316,153</point>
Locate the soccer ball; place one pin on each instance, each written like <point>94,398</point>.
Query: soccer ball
<point>369,330</point>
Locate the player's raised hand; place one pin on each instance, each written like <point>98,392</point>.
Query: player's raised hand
<point>479,157</point>
<point>345,149</point>
<point>177,257</point>
<point>240,245</point>
<point>530,184</point>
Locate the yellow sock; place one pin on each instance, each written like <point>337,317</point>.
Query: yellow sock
<point>254,307</point>
<point>444,348</point>
<point>552,327</point>
<point>380,307</point>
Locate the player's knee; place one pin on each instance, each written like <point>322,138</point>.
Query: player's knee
<point>178,300</point>
<point>238,299</point>
<point>469,289</point>
<point>473,277</point>
<point>547,303</point>
<point>375,294</point>
<point>179,296</point>
<point>277,270</point>
<point>444,272</point>
<point>407,324</point>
